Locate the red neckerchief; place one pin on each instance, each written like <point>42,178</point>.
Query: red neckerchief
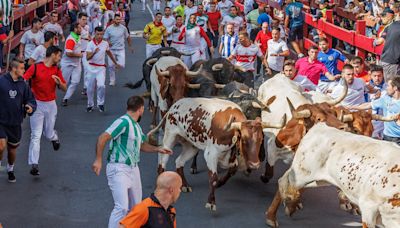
<point>158,24</point>
<point>179,26</point>
<point>95,42</point>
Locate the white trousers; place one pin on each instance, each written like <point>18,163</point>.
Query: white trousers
<point>151,48</point>
<point>72,75</point>
<point>119,56</point>
<point>126,188</point>
<point>143,5</point>
<point>42,122</point>
<point>156,5</point>
<point>85,67</point>
<point>197,55</point>
<point>96,77</point>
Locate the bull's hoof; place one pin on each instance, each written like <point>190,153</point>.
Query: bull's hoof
<point>264,179</point>
<point>186,189</point>
<point>211,206</point>
<point>193,171</point>
<point>271,223</point>
<point>291,208</point>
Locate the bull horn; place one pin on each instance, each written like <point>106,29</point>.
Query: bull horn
<point>231,125</point>
<point>272,125</point>
<point>260,105</point>
<point>306,113</point>
<point>166,52</point>
<point>164,73</point>
<point>342,96</point>
<point>385,118</point>
<point>256,105</point>
<point>194,73</point>
<point>151,61</point>
<point>243,91</point>
<point>193,86</point>
<point>217,67</point>
<point>291,107</point>
<point>239,68</point>
<point>219,86</point>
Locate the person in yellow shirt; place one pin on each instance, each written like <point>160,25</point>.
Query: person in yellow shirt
<point>155,33</point>
<point>180,10</point>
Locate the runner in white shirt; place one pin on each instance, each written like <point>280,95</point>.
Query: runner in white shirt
<point>174,3</point>
<point>277,51</point>
<point>93,12</point>
<point>356,91</point>
<point>30,40</point>
<point>85,38</point>
<point>83,4</point>
<point>202,21</point>
<point>53,26</point>
<point>71,61</point>
<point>232,18</point>
<point>176,31</point>
<point>224,7</point>
<point>169,22</point>
<point>116,34</point>
<point>189,10</point>
<point>96,74</point>
<point>40,52</point>
<point>245,55</point>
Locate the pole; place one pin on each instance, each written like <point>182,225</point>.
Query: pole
<point>9,43</point>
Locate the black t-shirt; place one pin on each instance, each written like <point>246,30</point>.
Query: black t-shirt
<point>391,50</point>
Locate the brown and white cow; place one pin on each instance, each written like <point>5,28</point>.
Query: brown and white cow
<point>365,169</point>
<point>169,83</point>
<point>221,130</point>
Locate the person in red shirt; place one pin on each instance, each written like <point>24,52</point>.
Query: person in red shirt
<point>359,70</point>
<point>262,41</point>
<point>44,77</point>
<point>214,17</point>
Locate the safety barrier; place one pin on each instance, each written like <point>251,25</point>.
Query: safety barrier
<point>23,15</point>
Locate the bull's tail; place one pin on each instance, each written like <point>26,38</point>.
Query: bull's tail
<point>158,126</point>
<point>135,85</point>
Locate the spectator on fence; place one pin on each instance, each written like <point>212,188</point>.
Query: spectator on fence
<point>294,21</point>
<point>359,69</point>
<point>311,68</point>
<point>330,58</point>
<point>39,53</point>
<point>5,36</point>
<point>387,17</point>
<point>390,58</point>
<point>30,40</point>
<point>53,26</point>
<point>395,6</point>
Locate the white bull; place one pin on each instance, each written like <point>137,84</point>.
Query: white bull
<point>365,169</point>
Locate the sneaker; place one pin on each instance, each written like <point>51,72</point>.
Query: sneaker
<point>11,177</point>
<point>89,109</point>
<point>112,83</point>
<point>64,102</point>
<point>35,170</point>
<point>56,144</point>
<point>84,92</point>
<point>101,108</point>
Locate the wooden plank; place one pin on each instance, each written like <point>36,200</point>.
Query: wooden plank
<point>338,32</point>
<point>30,7</point>
<point>41,3</point>
<point>19,12</point>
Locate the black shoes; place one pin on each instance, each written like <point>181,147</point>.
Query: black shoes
<point>101,108</point>
<point>64,102</point>
<point>56,144</point>
<point>89,109</point>
<point>84,92</point>
<point>11,177</point>
<point>35,170</point>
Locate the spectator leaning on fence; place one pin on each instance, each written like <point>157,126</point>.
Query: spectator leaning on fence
<point>390,58</point>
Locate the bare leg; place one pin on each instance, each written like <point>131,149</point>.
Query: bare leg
<point>296,47</point>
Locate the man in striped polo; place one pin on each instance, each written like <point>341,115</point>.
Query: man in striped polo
<point>124,155</point>
<point>228,42</point>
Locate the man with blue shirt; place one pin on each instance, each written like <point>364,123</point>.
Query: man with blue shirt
<point>329,57</point>
<point>294,21</point>
<point>228,42</point>
<point>390,104</point>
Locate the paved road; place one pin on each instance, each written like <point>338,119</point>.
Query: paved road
<point>68,194</point>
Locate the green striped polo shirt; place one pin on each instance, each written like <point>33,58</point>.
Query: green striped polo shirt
<point>127,136</point>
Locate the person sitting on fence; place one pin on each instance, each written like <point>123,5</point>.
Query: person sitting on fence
<point>5,36</point>
<point>387,18</point>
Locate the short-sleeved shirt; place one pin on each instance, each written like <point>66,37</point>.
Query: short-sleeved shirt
<point>263,39</point>
<point>294,12</point>
<point>390,106</point>
<point>98,58</point>
<point>173,4</point>
<point>202,20</point>
<point>330,60</point>
<point>355,93</point>
<point>246,56</point>
<point>56,28</point>
<point>168,23</point>
<point>391,50</point>
<point>156,33</point>
<point>252,18</point>
<point>84,37</point>
<point>229,43</point>
<point>39,54</point>
<point>236,21</point>
<point>30,46</point>
<point>72,46</point>
<point>116,35</point>
<point>150,213</point>
<point>189,11</point>
<point>214,17</point>
<point>264,17</point>
<point>224,7</point>
<point>275,47</point>
<point>42,84</point>
<point>180,10</point>
<point>312,70</point>
<point>127,137</point>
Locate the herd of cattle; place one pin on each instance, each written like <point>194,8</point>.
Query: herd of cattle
<point>208,108</point>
